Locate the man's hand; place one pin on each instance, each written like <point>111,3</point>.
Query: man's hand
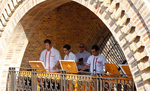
<point>77,63</point>
<point>81,70</point>
<point>54,68</point>
<point>85,67</point>
<point>81,62</point>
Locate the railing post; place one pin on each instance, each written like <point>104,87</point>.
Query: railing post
<point>101,82</point>
<point>62,77</point>
<point>8,81</point>
<point>13,79</point>
<point>34,80</point>
<point>97,79</point>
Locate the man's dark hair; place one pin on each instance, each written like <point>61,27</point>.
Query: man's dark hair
<point>67,46</point>
<point>95,47</point>
<point>47,41</point>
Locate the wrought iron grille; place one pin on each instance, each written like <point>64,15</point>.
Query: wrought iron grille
<point>23,80</point>
<point>111,50</point>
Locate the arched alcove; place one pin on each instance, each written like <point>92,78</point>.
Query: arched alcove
<point>123,18</point>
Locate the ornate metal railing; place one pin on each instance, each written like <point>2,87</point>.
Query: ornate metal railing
<point>24,80</point>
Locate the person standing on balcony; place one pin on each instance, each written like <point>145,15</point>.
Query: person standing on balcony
<point>68,54</point>
<point>50,56</point>
<point>82,57</point>
<point>96,61</point>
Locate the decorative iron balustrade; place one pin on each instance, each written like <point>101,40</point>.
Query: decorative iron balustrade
<point>22,80</point>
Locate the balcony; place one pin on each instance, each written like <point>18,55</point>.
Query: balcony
<point>23,79</point>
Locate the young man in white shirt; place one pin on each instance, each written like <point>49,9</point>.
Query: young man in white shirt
<point>69,55</point>
<point>82,54</point>
<point>50,56</point>
<point>95,61</point>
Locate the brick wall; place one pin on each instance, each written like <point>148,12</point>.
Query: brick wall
<point>127,20</point>
<point>70,23</point>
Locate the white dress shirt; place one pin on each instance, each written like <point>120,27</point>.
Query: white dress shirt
<point>96,63</point>
<point>71,56</point>
<point>50,58</point>
<point>85,55</point>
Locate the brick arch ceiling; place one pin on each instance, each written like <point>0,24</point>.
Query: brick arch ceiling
<point>63,25</point>
<point>128,21</point>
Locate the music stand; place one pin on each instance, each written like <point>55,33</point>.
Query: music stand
<point>112,68</point>
<point>126,70</point>
<point>69,66</point>
<point>38,65</point>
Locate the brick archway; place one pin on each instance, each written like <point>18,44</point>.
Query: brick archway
<point>128,21</point>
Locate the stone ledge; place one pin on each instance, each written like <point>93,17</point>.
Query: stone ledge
<point>3,21</point>
<point>140,55</point>
<point>146,84</point>
<point>140,88</point>
<point>127,28</point>
<point>105,4</point>
<point>10,5</point>
<point>131,60</point>
<point>137,79</point>
<point>123,21</point>
<point>112,7</point>
<point>131,37</point>
<point>8,10</point>
<point>123,42</point>
<point>134,69</point>
<point>135,45</point>
<point>117,14</point>
<point>146,73</point>
<point>6,15</point>
<point>144,66</point>
<point>19,1</point>
<point>15,3</point>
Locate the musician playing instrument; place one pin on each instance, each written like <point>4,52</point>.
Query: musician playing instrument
<point>95,61</point>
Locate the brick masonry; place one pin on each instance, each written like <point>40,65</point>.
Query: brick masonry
<point>128,21</point>
<point>64,25</point>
